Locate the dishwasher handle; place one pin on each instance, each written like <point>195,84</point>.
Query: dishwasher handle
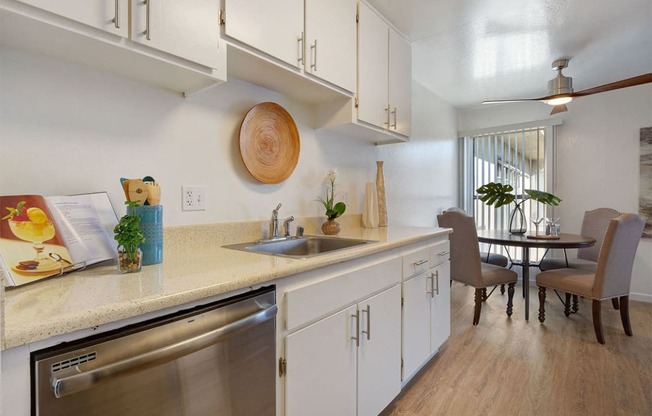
<point>83,380</point>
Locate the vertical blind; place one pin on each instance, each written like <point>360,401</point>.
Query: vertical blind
<point>516,156</point>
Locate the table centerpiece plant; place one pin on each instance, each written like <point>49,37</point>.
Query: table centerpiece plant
<point>129,236</point>
<point>333,209</point>
<point>498,194</point>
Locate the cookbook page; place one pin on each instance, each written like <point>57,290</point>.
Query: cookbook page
<point>82,228</point>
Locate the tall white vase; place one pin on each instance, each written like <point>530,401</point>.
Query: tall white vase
<point>370,211</point>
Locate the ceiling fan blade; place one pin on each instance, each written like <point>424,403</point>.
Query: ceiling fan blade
<point>625,83</point>
<point>515,100</point>
<point>559,109</point>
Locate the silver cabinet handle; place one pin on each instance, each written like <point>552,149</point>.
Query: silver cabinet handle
<point>300,47</point>
<point>313,54</point>
<point>437,279</point>
<point>368,331</point>
<point>420,262</point>
<point>357,328</point>
<point>431,277</point>
<point>147,31</point>
<point>394,112</point>
<point>387,111</point>
<point>116,19</point>
<point>444,253</point>
<point>77,380</point>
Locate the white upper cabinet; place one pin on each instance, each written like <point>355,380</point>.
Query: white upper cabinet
<point>373,55</point>
<point>384,74</point>
<point>109,15</point>
<point>330,41</point>
<point>273,27</point>
<point>400,84</point>
<point>188,29</point>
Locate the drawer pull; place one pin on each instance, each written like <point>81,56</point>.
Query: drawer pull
<point>420,262</point>
<point>368,331</point>
<point>444,253</point>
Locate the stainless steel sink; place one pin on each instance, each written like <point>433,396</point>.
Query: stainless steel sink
<point>300,247</point>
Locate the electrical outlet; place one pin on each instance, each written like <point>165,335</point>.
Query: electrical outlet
<point>193,198</point>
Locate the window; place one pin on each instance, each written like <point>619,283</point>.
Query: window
<point>521,156</point>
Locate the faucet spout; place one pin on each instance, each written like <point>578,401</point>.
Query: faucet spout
<point>274,230</point>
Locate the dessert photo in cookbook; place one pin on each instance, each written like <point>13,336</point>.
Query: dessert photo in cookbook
<point>47,236</point>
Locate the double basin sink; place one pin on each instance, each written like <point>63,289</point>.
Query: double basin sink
<point>300,247</point>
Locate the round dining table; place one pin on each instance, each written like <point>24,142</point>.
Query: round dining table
<point>505,238</point>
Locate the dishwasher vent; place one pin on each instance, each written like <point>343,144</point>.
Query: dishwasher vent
<point>80,359</point>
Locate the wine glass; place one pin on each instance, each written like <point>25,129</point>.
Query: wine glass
<point>536,222</point>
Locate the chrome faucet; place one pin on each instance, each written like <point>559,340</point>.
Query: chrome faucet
<point>286,225</point>
<point>274,230</point>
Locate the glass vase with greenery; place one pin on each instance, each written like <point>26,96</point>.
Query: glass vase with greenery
<point>129,236</point>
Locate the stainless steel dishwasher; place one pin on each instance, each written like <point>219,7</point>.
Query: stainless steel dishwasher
<point>217,359</point>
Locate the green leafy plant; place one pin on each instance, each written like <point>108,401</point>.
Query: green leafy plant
<point>128,234</point>
<point>499,194</point>
<point>333,209</point>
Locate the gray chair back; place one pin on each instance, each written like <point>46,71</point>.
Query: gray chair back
<point>595,225</point>
<point>616,260</point>
<point>465,251</point>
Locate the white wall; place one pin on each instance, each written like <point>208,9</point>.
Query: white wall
<point>597,158</point>
<point>421,179</point>
<point>68,129</point>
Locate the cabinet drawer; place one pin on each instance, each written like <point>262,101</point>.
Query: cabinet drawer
<point>439,253</point>
<point>311,302</point>
<point>415,262</point>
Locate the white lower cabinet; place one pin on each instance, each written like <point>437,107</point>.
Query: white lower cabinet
<point>426,317</point>
<point>347,363</point>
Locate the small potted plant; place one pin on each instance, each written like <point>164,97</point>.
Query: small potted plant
<point>333,209</point>
<point>499,194</point>
<point>129,236</point>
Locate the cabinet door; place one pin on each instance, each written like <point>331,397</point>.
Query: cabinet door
<point>372,68</point>
<point>273,27</point>
<point>321,367</point>
<point>416,324</point>
<point>109,15</point>
<point>400,84</point>
<point>440,306</point>
<point>188,29</point>
<point>330,36</point>
<point>379,355</point>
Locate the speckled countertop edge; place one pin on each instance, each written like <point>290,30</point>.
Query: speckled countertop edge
<point>195,267</point>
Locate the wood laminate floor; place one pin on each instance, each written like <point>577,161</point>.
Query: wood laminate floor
<point>507,366</point>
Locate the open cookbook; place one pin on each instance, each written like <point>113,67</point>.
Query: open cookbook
<point>47,236</point>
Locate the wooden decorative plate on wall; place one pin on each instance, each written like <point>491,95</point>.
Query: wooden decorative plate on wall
<point>269,143</point>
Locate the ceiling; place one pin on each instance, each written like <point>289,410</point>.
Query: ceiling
<point>467,51</point>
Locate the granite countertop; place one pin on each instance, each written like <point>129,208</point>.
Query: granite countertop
<point>195,267</point>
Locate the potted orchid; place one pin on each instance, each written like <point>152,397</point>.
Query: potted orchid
<point>333,209</point>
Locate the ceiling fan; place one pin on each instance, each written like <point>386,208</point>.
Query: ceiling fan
<point>560,89</point>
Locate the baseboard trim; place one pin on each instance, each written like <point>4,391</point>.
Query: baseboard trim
<point>641,297</point>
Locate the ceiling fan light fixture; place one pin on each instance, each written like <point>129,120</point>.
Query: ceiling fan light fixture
<point>559,100</point>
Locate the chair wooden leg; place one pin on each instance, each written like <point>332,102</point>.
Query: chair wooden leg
<point>510,297</point>
<point>484,294</point>
<point>542,300</point>
<point>567,305</point>
<point>614,301</point>
<point>597,321</point>
<point>478,306</point>
<point>624,315</point>
<point>502,289</point>
<point>576,303</point>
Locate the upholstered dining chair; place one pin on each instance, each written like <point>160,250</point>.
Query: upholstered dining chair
<point>611,279</point>
<point>487,256</point>
<point>594,224</point>
<point>466,266</point>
